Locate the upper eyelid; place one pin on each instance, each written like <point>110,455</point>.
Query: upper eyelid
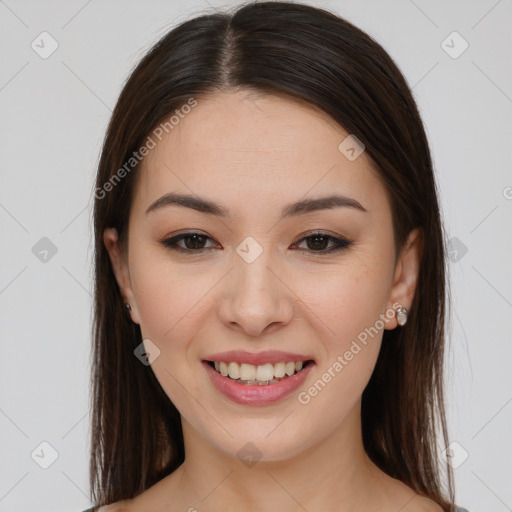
<point>308,234</point>
<point>337,240</point>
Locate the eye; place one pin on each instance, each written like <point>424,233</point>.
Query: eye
<point>192,242</point>
<point>317,242</point>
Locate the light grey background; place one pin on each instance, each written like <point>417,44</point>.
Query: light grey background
<point>54,113</point>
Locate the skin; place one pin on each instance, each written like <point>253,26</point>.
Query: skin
<point>253,154</point>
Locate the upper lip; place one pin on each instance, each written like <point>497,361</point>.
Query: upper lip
<point>257,358</point>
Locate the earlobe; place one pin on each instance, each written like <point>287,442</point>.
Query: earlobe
<point>120,269</point>
<point>406,277</point>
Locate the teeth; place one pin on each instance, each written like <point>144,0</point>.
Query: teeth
<point>247,371</point>
<point>251,374</point>
<point>233,371</point>
<point>279,370</point>
<point>265,372</point>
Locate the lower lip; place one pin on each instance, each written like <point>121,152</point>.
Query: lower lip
<point>256,394</point>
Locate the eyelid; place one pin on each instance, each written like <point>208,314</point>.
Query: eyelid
<point>339,242</point>
<point>171,241</point>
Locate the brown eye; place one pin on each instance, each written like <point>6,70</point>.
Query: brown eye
<point>194,241</point>
<point>319,243</point>
<point>191,242</point>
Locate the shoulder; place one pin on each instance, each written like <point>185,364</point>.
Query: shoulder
<point>119,506</point>
<point>399,496</point>
<point>422,504</point>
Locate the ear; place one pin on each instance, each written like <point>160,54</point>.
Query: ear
<point>121,271</point>
<point>406,276</point>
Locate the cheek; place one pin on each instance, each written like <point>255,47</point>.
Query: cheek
<point>347,303</point>
<point>169,303</point>
<point>350,306</point>
<point>169,297</point>
<point>346,300</point>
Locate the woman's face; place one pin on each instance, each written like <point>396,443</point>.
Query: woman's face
<point>261,276</point>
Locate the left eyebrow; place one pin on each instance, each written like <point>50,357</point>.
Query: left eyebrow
<point>301,207</point>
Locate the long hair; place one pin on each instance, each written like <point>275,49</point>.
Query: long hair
<point>314,56</point>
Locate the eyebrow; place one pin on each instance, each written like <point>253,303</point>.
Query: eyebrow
<point>209,207</point>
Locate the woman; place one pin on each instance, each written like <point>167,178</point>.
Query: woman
<point>269,276</point>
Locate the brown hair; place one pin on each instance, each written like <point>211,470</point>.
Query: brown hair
<point>311,55</point>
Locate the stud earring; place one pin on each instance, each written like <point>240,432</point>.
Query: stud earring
<point>401,316</point>
<point>128,307</point>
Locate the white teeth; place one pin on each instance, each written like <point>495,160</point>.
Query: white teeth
<point>290,369</point>
<point>265,372</point>
<point>279,370</point>
<point>251,374</point>
<point>233,371</point>
<point>247,371</point>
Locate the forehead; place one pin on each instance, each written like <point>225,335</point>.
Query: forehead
<point>250,145</point>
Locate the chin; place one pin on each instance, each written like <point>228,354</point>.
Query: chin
<point>262,442</point>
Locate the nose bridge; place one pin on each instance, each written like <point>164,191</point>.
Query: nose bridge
<point>254,281</point>
<point>256,296</point>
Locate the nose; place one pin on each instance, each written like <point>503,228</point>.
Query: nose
<point>256,299</point>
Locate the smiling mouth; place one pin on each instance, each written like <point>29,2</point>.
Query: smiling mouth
<point>259,375</point>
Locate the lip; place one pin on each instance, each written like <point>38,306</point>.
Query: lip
<point>256,395</point>
<point>258,358</point>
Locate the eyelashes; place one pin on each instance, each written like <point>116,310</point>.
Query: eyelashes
<point>317,243</point>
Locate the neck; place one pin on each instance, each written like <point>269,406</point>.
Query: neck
<point>335,474</point>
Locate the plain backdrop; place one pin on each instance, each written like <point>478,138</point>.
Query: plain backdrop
<point>54,112</point>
